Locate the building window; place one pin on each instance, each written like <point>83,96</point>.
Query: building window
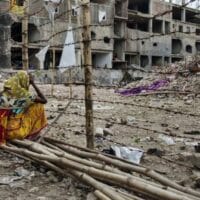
<point>19,2</point>
<point>187,29</point>
<point>74,11</point>
<point>188,48</point>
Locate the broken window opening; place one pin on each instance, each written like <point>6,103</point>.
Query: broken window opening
<point>106,40</point>
<point>121,8</point>
<point>20,2</point>
<point>74,11</point>
<point>157,26</point>
<point>197,31</point>
<point>156,60</point>
<point>188,48</point>
<point>155,44</point>
<point>144,61</point>
<point>132,59</point>
<point>176,13</point>
<point>16,32</point>
<point>139,5</point>
<point>197,44</point>
<point>180,29</point>
<point>101,60</point>
<point>176,59</point>
<point>49,58</point>
<point>176,46</point>
<point>166,60</point>
<point>142,25</point>
<point>119,29</point>
<point>190,17</point>
<point>167,27</point>
<point>93,35</point>
<point>132,25</point>
<point>33,61</point>
<point>16,58</point>
<point>188,29</point>
<point>118,49</point>
<point>33,33</point>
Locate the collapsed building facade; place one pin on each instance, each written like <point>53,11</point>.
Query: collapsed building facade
<point>123,33</point>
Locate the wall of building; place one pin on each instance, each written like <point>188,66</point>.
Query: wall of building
<point>128,32</point>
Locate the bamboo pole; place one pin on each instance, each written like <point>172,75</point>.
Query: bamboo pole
<point>88,73</point>
<point>25,61</point>
<point>105,167</point>
<point>53,57</point>
<point>125,166</point>
<point>46,150</point>
<point>119,179</point>
<point>79,175</point>
<point>100,195</point>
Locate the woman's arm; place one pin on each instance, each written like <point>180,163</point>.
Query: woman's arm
<point>40,97</point>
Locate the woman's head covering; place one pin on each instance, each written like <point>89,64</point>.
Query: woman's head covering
<point>17,86</point>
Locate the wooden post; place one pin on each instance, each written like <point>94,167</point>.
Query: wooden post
<point>88,73</point>
<point>53,57</point>
<point>69,7</point>
<point>25,61</point>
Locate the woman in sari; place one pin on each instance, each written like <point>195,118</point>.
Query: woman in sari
<point>21,114</point>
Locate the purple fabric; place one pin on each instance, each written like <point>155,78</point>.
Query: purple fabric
<point>141,89</point>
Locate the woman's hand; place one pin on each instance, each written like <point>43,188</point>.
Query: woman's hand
<point>31,79</point>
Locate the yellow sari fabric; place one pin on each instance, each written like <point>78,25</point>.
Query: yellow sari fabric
<point>27,124</point>
<point>24,124</point>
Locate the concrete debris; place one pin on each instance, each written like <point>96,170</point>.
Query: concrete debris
<point>99,132</point>
<point>107,131</point>
<point>194,66</point>
<point>168,140</point>
<point>193,158</point>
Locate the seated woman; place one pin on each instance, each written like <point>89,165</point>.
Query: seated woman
<point>21,114</point>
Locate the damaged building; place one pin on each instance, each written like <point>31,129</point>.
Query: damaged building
<point>123,32</point>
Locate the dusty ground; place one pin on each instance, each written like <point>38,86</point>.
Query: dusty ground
<point>128,125</point>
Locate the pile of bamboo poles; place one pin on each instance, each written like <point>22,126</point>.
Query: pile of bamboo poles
<point>111,178</point>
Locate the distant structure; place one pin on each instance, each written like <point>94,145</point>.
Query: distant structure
<point>124,32</point>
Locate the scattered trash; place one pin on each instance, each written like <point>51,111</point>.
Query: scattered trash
<point>129,153</point>
<point>99,132</point>
<point>193,132</point>
<point>107,131</point>
<point>164,125</point>
<point>20,171</point>
<point>142,89</point>
<point>6,180</point>
<point>168,140</point>
<point>194,66</point>
<point>190,143</point>
<point>156,152</point>
<point>130,120</point>
<point>197,148</point>
<point>146,139</point>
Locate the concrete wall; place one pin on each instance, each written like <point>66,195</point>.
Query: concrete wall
<point>100,76</point>
<point>4,6</point>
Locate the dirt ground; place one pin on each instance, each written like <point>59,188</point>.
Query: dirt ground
<point>131,122</point>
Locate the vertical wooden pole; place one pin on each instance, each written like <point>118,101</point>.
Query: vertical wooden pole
<point>53,57</point>
<point>69,7</point>
<point>88,73</point>
<point>80,33</point>
<point>25,61</point>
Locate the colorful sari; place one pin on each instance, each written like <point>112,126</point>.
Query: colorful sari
<point>20,116</point>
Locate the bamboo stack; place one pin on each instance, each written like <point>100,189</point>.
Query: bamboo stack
<point>110,177</point>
